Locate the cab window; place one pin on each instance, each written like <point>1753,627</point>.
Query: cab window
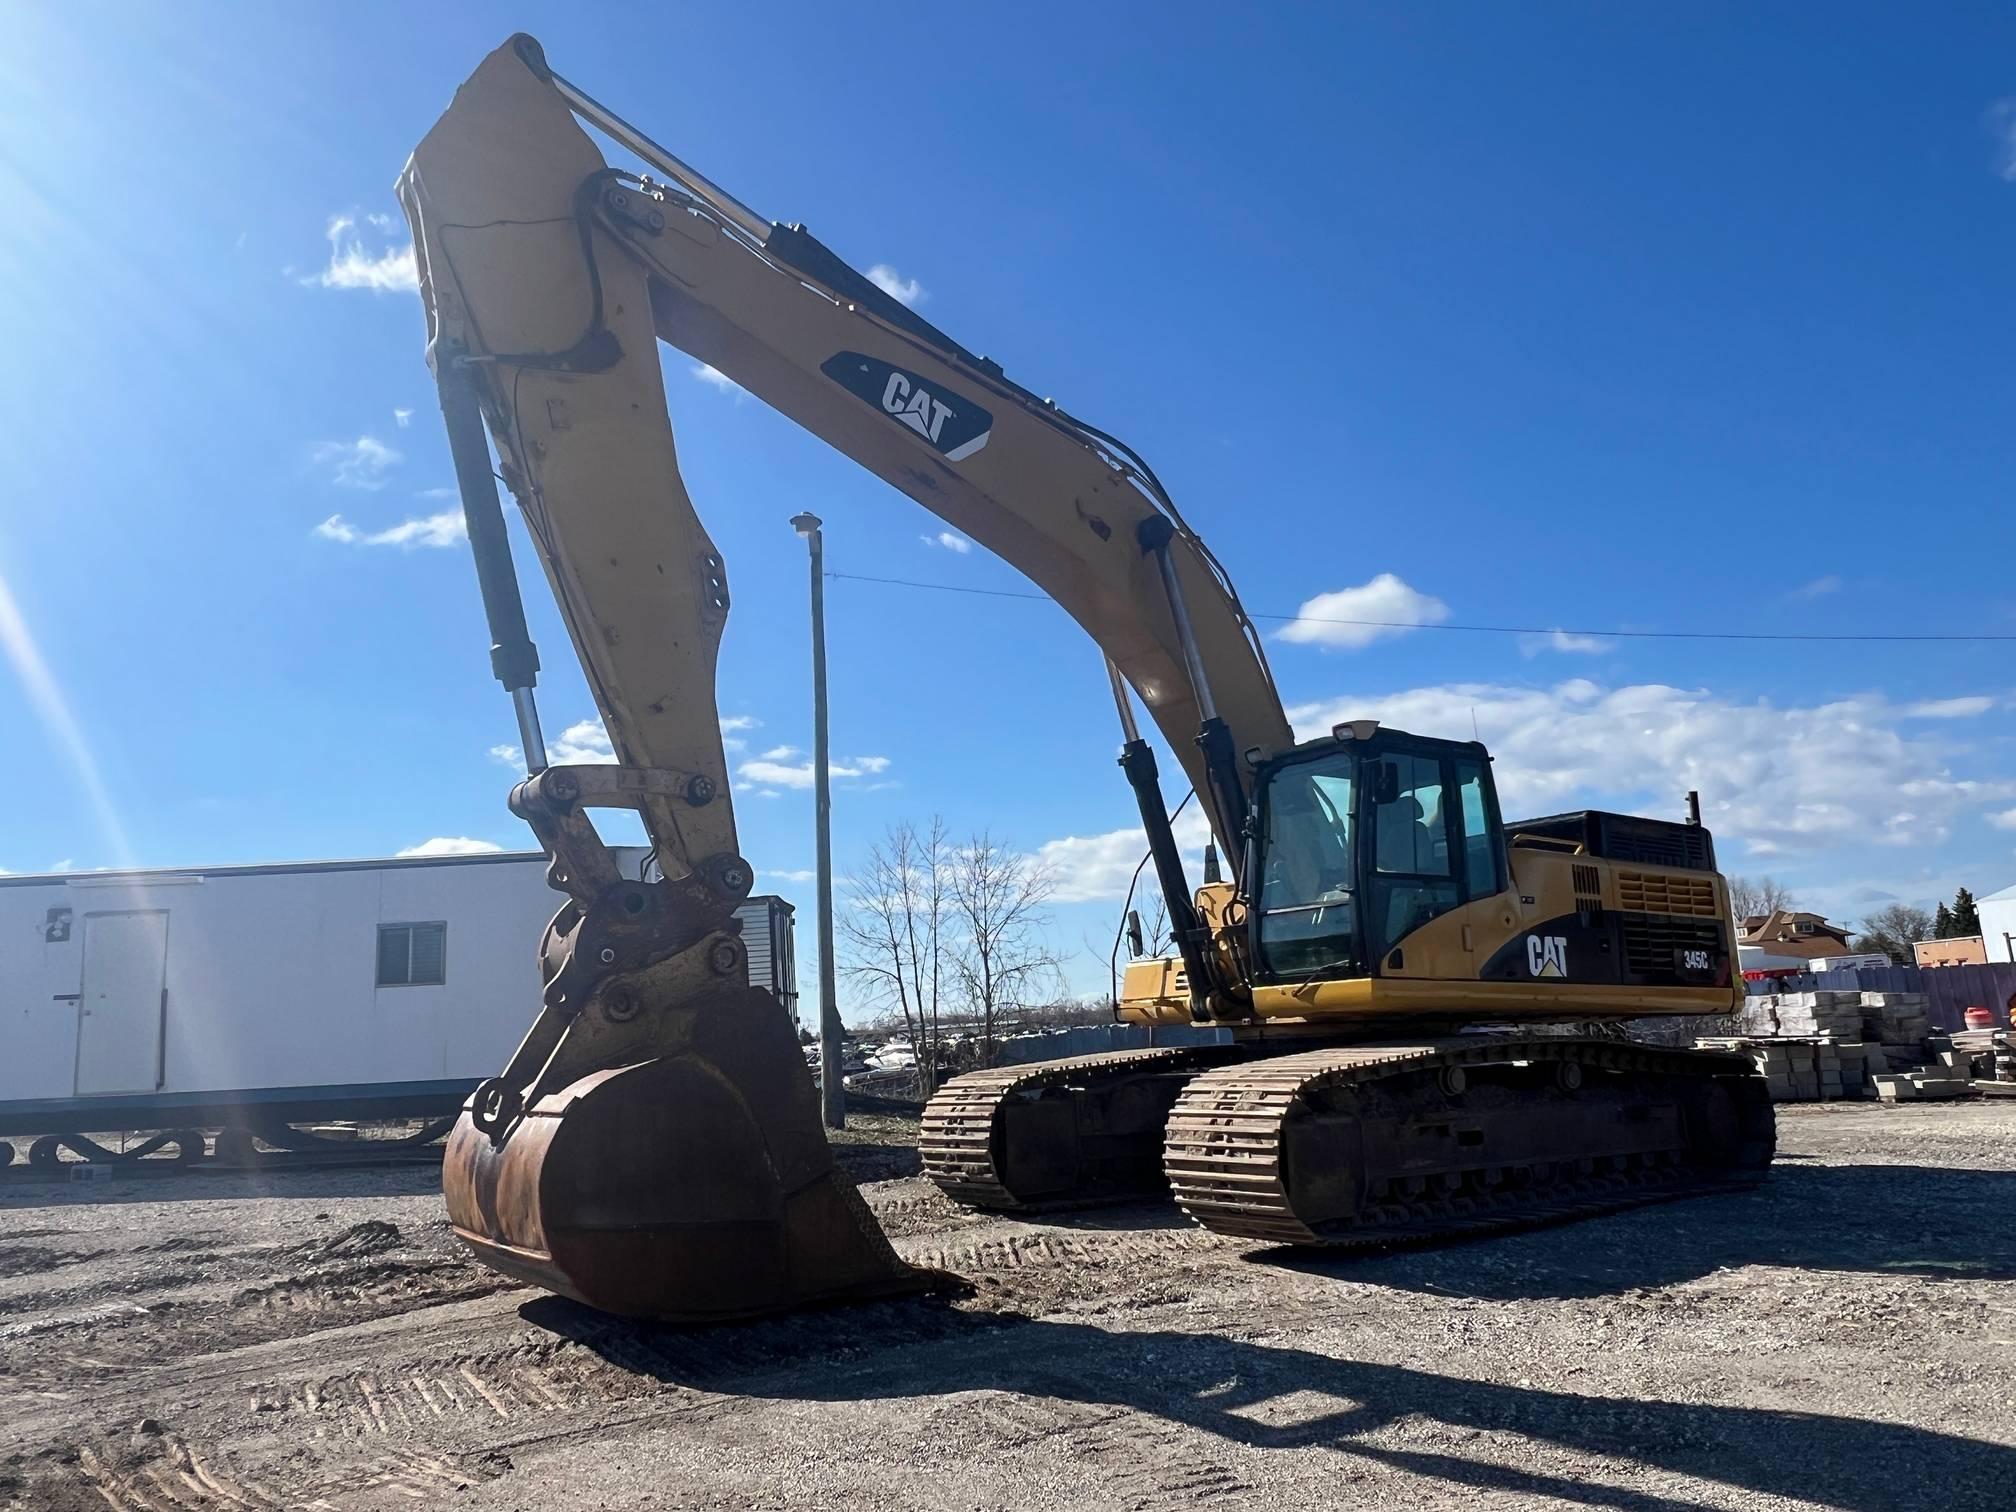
<point>1483,857</point>
<point>1308,918</point>
<point>1414,872</point>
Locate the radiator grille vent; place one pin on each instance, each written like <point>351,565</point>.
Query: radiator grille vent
<point>1587,884</point>
<point>1652,945</point>
<point>1646,892</point>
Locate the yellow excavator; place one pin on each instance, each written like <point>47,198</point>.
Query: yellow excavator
<point>654,1146</point>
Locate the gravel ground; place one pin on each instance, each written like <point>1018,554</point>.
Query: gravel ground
<point>1841,1337</point>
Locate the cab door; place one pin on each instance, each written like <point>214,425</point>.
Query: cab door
<point>1415,874</point>
<point>1437,869</point>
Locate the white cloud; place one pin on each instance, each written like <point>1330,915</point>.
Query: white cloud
<point>66,864</point>
<point>1949,708</point>
<point>1097,868</point>
<point>402,418</point>
<point>791,876</point>
<point>1773,780</point>
<point>780,753</point>
<point>732,726</point>
<point>2000,120</point>
<point>903,290</point>
<point>352,266</point>
<point>1566,642</point>
<point>714,378</point>
<point>1353,617</point>
<point>362,463</point>
<point>451,845</point>
<point>949,541</point>
<point>1820,587</point>
<point>438,530</point>
<point>586,743</point>
<point>583,743</point>
<point>773,769</point>
<point>2004,820</point>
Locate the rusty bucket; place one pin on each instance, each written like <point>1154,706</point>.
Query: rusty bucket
<point>695,1187</point>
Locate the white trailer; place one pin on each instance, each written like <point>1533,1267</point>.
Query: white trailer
<point>334,989</point>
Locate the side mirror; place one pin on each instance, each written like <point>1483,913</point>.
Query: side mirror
<point>1386,782</point>
<point>1135,947</point>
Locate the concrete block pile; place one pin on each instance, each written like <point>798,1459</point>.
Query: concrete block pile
<point>1896,1019</point>
<point>1817,1046</point>
<point>1810,1068</point>
<point>1949,1074</point>
<point>1837,1015</point>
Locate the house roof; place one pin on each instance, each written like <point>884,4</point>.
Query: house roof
<point>1782,931</point>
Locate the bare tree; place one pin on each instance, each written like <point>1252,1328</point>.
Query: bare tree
<point>1156,935</point>
<point>998,897</point>
<point>935,859</point>
<point>1765,895</point>
<point>1894,929</point>
<point>922,863</point>
<point>876,929</point>
<point>895,932</point>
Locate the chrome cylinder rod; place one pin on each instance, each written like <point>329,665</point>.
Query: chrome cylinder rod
<point>1128,729</point>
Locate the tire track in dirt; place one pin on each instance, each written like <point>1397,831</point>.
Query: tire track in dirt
<point>1137,1459</point>
<point>148,1473</point>
<point>1069,1247</point>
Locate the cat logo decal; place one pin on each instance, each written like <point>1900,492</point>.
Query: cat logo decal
<point>1547,955</point>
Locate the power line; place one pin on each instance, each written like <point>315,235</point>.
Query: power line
<point>1370,624</point>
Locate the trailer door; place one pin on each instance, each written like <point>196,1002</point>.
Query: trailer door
<point>119,1023</point>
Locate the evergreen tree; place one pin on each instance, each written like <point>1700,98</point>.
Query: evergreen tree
<point>1966,917</point>
<point>1942,924</point>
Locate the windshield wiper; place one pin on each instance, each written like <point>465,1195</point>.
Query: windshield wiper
<point>1344,895</point>
<point>1340,965</point>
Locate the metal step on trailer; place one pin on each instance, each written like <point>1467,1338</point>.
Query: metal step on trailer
<point>80,1156</point>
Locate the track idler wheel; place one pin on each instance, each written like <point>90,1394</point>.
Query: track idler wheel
<point>696,1187</point>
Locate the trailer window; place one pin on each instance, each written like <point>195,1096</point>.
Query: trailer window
<point>412,955</point>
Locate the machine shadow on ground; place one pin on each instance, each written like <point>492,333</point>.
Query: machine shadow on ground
<point>1940,1223</point>
<point>1266,1398</point>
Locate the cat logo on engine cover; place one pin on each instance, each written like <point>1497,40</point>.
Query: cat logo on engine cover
<point>1547,955</point>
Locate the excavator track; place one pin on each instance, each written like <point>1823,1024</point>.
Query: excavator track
<point>1379,1144</point>
<point>1093,1121</point>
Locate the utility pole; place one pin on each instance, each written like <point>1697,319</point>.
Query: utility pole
<point>832,1094</point>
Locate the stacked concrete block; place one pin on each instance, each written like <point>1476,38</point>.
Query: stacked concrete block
<point>1943,1078</point>
<point>1837,1014</point>
<point>1832,1044</point>
<point>1798,1070</point>
<point>1856,1069</point>
<point>1895,1018</point>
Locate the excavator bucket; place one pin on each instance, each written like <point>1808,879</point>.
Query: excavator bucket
<point>696,1187</point>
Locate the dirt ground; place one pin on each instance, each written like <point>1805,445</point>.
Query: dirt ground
<point>1844,1336</point>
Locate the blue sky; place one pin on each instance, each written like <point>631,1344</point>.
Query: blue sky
<point>1572,315</point>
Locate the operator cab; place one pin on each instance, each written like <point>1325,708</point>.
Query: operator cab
<point>1362,838</point>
